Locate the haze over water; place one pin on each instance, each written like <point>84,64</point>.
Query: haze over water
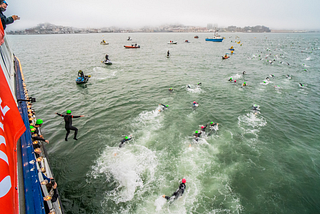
<point>263,163</point>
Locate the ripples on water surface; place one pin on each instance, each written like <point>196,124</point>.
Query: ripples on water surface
<point>254,163</point>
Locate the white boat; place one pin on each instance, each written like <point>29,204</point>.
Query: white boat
<point>172,42</point>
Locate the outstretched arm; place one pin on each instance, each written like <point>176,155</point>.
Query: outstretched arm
<point>60,114</point>
<point>77,116</point>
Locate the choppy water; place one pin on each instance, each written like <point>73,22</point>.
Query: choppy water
<point>254,163</point>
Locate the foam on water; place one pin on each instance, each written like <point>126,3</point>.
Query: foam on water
<point>250,123</point>
<point>104,73</point>
<point>132,167</point>
<point>194,89</point>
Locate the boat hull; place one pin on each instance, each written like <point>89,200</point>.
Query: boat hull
<point>127,46</point>
<point>214,40</point>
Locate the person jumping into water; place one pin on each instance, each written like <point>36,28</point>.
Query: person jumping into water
<point>123,142</point>
<point>68,124</point>
<point>179,192</point>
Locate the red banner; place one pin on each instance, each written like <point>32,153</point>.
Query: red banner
<point>11,128</point>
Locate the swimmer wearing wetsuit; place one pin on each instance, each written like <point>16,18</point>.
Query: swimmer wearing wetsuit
<point>255,107</point>
<point>179,192</point>
<point>196,135</point>
<point>163,107</point>
<point>203,128</point>
<point>68,124</point>
<point>124,141</point>
<point>212,124</point>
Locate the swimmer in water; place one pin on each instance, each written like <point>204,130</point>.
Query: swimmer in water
<point>199,83</point>
<point>179,192</point>
<point>212,124</point>
<point>195,104</point>
<point>163,107</point>
<point>230,80</point>
<point>235,81</point>
<point>271,75</point>
<point>170,89</point>
<point>244,84</point>
<point>255,107</point>
<point>123,142</point>
<point>196,135</point>
<point>203,128</point>
<point>267,78</point>
<point>301,85</point>
<point>244,72</point>
<point>189,86</point>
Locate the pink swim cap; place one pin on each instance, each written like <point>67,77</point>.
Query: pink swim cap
<point>184,180</point>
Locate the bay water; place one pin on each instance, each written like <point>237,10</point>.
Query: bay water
<point>254,163</point>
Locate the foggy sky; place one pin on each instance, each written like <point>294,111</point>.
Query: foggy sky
<point>275,14</point>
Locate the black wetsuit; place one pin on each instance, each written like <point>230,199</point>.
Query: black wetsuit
<point>68,125</point>
<point>164,106</point>
<point>178,193</point>
<point>197,135</point>
<point>123,142</point>
<point>204,128</point>
<point>255,108</point>
<point>212,125</point>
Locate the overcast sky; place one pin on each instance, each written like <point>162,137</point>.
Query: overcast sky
<point>275,14</point>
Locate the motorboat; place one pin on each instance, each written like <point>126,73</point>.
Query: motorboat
<point>132,46</point>
<point>186,41</point>
<point>216,38</point>
<point>172,42</point>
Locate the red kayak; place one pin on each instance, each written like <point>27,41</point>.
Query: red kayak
<point>132,46</point>
<point>225,57</point>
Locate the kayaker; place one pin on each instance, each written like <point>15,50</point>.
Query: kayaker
<point>179,192</point>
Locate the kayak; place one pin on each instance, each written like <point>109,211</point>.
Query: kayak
<point>132,46</point>
<point>104,43</point>
<point>81,80</point>
<point>225,57</point>
<point>107,62</point>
